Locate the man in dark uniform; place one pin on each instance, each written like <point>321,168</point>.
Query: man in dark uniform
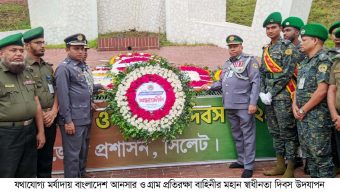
<point>279,60</point>
<point>333,98</point>
<point>240,83</point>
<point>43,76</point>
<point>74,97</point>
<point>18,106</point>
<point>310,103</point>
<point>291,31</point>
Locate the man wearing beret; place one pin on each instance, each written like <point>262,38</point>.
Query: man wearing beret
<point>240,83</point>
<point>74,90</point>
<point>333,98</point>
<point>336,50</point>
<point>291,31</point>
<point>42,73</point>
<point>279,60</point>
<point>310,102</point>
<point>19,106</point>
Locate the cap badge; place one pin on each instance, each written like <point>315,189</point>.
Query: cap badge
<point>80,37</point>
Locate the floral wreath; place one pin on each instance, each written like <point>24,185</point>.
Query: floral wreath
<point>120,62</point>
<point>198,76</point>
<point>150,100</point>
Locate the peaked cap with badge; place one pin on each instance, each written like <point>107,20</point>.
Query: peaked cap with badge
<point>15,39</point>
<point>295,22</point>
<point>315,30</point>
<point>76,39</point>
<point>33,34</point>
<point>273,18</point>
<point>233,40</point>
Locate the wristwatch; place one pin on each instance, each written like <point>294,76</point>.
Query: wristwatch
<point>301,111</point>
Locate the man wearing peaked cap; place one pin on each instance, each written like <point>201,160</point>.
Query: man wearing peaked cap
<point>310,102</point>
<point>279,60</point>
<point>43,75</point>
<point>332,52</point>
<point>19,138</point>
<point>74,90</point>
<point>240,72</point>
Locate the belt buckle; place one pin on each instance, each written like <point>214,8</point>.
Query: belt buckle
<point>28,122</point>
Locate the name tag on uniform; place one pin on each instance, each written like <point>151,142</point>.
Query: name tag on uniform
<point>50,88</point>
<point>301,83</point>
<point>230,74</point>
<point>9,85</point>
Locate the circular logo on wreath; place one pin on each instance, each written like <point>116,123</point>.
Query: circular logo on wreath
<point>150,96</point>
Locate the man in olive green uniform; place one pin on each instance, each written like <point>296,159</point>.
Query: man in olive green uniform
<point>42,73</point>
<point>279,60</point>
<point>18,107</point>
<point>310,102</point>
<point>291,31</point>
<point>333,98</point>
<point>336,50</point>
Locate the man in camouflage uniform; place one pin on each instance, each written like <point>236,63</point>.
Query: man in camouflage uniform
<point>310,103</point>
<point>279,60</point>
<point>42,73</point>
<point>291,31</point>
<point>19,105</point>
<point>336,50</point>
<point>333,98</point>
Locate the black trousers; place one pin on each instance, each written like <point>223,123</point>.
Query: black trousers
<point>45,154</point>
<point>18,151</point>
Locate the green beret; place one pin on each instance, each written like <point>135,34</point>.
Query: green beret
<point>336,24</point>
<point>15,39</point>
<point>272,18</point>
<point>234,39</point>
<point>314,30</point>
<point>295,22</point>
<point>33,34</point>
<point>76,39</point>
<point>337,33</point>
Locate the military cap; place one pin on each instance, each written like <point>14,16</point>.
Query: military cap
<point>76,39</point>
<point>336,24</point>
<point>337,33</point>
<point>33,34</point>
<point>15,39</point>
<point>295,22</point>
<point>314,30</point>
<point>234,39</point>
<point>272,18</point>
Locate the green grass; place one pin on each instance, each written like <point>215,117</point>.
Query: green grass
<point>14,17</point>
<point>240,11</point>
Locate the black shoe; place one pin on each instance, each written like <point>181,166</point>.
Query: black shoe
<point>298,162</point>
<point>247,173</point>
<point>235,165</point>
<point>306,169</point>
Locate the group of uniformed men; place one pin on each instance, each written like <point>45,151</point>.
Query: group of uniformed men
<point>294,81</point>
<point>31,98</point>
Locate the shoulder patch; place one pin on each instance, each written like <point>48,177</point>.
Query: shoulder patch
<point>322,68</point>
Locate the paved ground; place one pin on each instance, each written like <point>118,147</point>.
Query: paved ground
<point>210,56</point>
<point>200,55</point>
<point>195,171</point>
